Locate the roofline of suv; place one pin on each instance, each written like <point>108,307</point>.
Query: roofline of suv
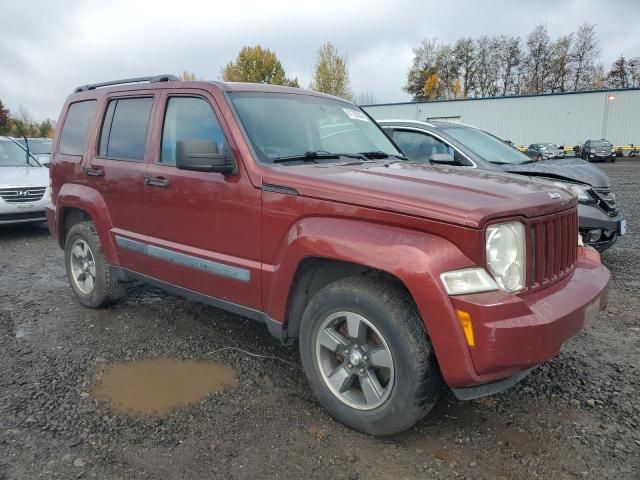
<point>169,81</point>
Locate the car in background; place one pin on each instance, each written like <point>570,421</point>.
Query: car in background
<point>24,185</point>
<point>39,148</point>
<point>544,151</point>
<point>462,145</point>
<point>598,151</point>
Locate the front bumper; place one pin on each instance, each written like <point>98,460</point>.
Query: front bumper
<point>593,218</point>
<point>31,212</point>
<point>514,333</point>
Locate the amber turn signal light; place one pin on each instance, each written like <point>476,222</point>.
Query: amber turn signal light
<point>467,327</point>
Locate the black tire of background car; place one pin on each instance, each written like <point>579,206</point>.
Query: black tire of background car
<point>417,384</point>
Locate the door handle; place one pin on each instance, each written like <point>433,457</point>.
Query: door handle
<point>156,181</point>
<point>92,172</point>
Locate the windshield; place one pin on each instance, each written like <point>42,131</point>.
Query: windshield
<point>13,155</point>
<point>600,144</point>
<point>486,146</point>
<point>281,125</point>
<point>39,147</point>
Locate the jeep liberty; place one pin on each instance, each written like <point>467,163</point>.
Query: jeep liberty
<point>295,209</point>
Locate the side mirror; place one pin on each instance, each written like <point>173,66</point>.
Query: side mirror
<point>202,156</point>
<point>443,158</point>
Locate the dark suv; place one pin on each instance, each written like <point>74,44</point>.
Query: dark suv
<point>598,151</point>
<point>295,209</point>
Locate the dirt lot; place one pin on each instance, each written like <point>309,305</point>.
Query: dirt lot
<point>576,417</point>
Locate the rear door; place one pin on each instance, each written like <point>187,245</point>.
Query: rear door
<point>118,165</point>
<point>203,228</point>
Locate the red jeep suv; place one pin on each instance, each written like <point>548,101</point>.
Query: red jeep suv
<point>295,209</point>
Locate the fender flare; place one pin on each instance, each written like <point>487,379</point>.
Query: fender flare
<point>90,201</point>
<point>415,258</point>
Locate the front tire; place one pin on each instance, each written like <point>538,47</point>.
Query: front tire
<point>366,355</point>
<point>87,269</point>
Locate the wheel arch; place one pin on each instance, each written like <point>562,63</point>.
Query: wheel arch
<point>78,203</point>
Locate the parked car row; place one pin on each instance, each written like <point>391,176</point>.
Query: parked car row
<point>295,208</point>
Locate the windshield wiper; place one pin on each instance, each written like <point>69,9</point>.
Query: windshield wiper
<point>378,154</point>
<point>317,155</point>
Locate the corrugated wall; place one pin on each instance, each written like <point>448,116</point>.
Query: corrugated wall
<point>562,119</point>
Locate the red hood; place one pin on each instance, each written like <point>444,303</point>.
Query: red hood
<point>453,195</point>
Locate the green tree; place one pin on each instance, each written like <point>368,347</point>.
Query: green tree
<point>330,74</point>
<point>5,119</point>
<point>257,65</point>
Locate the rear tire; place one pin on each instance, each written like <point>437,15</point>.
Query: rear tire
<point>87,269</point>
<point>382,376</point>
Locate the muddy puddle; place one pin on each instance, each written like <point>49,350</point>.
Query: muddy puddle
<point>157,386</point>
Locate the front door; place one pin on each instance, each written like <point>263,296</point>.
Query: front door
<point>203,228</point>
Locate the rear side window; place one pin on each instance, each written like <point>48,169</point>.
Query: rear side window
<point>76,127</point>
<point>188,118</point>
<point>124,130</point>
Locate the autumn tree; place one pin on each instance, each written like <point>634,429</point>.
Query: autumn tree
<point>430,87</point>
<point>330,73</point>
<point>487,66</point>
<point>423,65</point>
<point>5,119</point>
<point>257,65</point>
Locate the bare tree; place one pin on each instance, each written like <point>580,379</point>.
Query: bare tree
<point>560,64</point>
<point>510,58</point>
<point>618,76</point>
<point>464,52</point>
<point>487,66</point>
<point>365,98</point>
<point>447,71</point>
<point>537,60</point>
<point>584,53</point>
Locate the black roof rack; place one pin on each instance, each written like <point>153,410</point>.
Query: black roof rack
<point>156,78</point>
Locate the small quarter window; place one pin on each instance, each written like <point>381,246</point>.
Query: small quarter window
<point>124,129</point>
<point>188,118</point>
<point>76,127</point>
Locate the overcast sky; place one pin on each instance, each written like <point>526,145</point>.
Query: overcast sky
<point>49,47</point>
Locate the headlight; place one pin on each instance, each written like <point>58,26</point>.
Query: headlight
<point>468,280</point>
<point>581,191</point>
<point>506,255</point>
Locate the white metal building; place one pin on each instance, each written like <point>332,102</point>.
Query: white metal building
<point>563,118</point>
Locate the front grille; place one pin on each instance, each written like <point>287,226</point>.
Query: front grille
<point>553,243</point>
<point>22,194</point>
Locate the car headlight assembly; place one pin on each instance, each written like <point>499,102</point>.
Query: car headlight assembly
<point>580,191</point>
<point>505,250</point>
<point>468,280</point>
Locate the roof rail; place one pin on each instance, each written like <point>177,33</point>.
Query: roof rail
<point>156,78</point>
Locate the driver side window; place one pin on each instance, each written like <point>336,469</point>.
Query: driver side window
<point>420,146</point>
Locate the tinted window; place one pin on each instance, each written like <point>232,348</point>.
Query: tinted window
<point>419,147</point>
<point>188,118</point>
<point>124,130</point>
<point>76,126</point>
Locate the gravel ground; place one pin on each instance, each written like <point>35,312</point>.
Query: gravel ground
<point>575,417</point>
